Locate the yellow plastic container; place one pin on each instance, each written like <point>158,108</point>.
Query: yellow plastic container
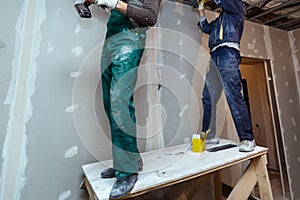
<point>199,141</point>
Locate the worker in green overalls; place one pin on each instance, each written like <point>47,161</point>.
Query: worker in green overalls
<point>122,51</point>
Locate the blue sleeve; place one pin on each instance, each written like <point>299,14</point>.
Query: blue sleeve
<point>235,6</point>
<point>204,25</point>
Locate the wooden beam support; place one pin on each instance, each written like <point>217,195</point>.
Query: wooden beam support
<point>218,185</point>
<point>89,189</point>
<point>245,185</point>
<point>263,178</point>
<point>194,185</point>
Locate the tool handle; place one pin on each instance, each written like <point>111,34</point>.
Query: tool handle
<point>219,148</point>
<point>104,7</point>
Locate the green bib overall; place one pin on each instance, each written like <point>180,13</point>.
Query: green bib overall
<point>121,55</point>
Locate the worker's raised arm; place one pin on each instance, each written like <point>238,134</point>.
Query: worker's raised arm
<point>203,24</point>
<point>234,6</point>
<point>146,14</point>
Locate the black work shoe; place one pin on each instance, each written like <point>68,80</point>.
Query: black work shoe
<point>123,186</point>
<point>110,172</point>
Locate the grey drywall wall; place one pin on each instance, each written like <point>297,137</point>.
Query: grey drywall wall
<point>48,162</point>
<point>8,48</point>
<point>54,149</point>
<point>180,59</point>
<point>295,46</point>
<point>276,48</point>
<point>7,51</point>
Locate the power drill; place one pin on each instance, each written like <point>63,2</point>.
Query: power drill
<point>194,3</point>
<point>83,8</point>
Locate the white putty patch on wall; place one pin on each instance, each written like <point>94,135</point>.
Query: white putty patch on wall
<point>65,195</point>
<point>75,74</point>
<point>57,12</point>
<point>184,108</point>
<point>286,83</point>
<point>72,151</point>
<point>77,29</point>
<point>77,51</point>
<point>148,121</point>
<point>182,76</point>
<point>50,48</point>
<point>291,101</point>
<point>294,121</point>
<point>251,56</point>
<point>71,108</point>
<point>295,138</point>
<point>251,46</point>
<point>180,43</point>
<point>186,140</point>
<point>181,57</point>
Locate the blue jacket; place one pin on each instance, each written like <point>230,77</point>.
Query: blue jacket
<point>228,27</point>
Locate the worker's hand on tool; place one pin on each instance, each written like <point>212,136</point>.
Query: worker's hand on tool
<point>201,4</point>
<point>109,3</point>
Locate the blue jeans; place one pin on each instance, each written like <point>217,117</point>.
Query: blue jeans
<point>224,72</point>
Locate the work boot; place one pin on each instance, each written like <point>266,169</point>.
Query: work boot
<point>247,146</point>
<point>110,172</point>
<point>123,186</point>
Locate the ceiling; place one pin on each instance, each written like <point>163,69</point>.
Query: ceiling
<point>281,14</point>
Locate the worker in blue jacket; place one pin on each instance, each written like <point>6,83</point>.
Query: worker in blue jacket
<point>225,33</point>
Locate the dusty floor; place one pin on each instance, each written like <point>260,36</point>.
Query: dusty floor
<point>276,186</point>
